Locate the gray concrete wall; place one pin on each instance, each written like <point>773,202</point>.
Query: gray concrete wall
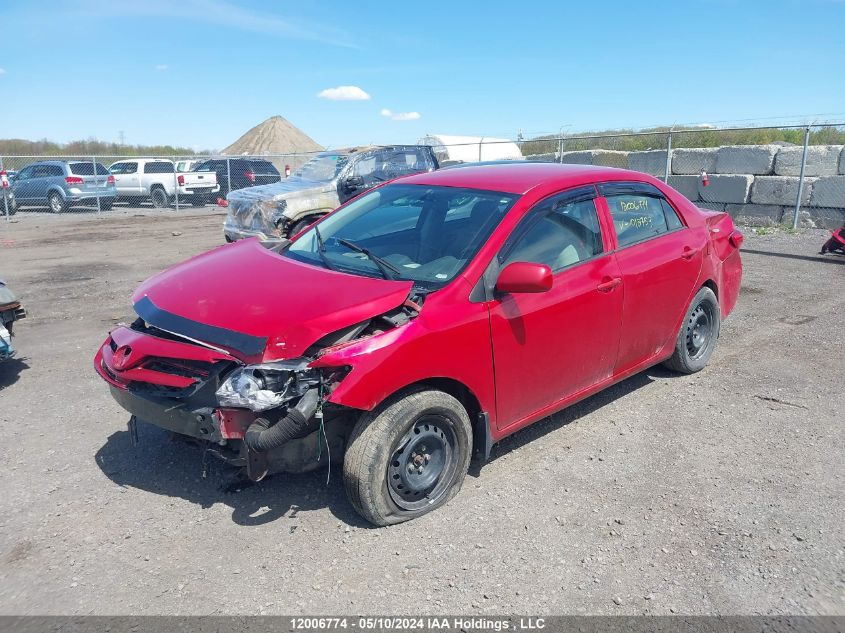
<point>756,184</point>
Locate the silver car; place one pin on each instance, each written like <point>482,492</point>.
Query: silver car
<point>59,184</point>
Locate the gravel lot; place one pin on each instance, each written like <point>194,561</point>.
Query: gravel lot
<point>720,492</point>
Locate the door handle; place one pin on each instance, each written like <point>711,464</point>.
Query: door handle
<point>689,253</point>
<point>609,284</point>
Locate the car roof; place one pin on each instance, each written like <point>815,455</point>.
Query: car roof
<point>521,177</point>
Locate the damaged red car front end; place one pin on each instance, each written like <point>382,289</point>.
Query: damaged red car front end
<point>235,314</point>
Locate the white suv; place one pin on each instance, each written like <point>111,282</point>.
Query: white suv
<point>155,179</point>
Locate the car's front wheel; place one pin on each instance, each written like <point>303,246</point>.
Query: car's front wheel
<point>408,457</point>
<point>699,334</point>
<point>56,203</point>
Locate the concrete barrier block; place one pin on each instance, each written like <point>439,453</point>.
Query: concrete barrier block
<point>551,157</point>
<point>820,218</point>
<point>728,188</point>
<point>822,160</point>
<point>829,192</point>
<point>842,162</point>
<point>710,206</point>
<point>652,162</point>
<point>746,159</point>
<point>601,157</point>
<point>756,214</point>
<point>694,160</point>
<point>687,186</point>
<point>779,190</point>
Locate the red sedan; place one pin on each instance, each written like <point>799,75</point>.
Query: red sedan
<point>424,321</point>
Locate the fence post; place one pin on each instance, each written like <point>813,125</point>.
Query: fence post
<point>5,193</point>
<point>801,178</point>
<point>228,178</point>
<point>175,184</point>
<point>96,184</point>
<point>668,157</point>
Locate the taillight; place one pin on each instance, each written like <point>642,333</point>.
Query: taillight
<point>110,180</point>
<point>249,175</point>
<point>74,180</point>
<point>736,239</point>
<point>180,180</point>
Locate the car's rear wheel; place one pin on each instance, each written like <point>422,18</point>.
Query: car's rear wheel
<point>408,457</point>
<point>106,205</point>
<point>56,203</point>
<point>699,334</point>
<point>159,198</point>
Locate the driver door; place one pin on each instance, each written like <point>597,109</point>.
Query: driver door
<point>551,345</point>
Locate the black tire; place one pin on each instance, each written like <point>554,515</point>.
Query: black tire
<point>198,201</point>
<point>301,225</point>
<point>56,203</point>
<point>408,457</point>
<point>159,198</point>
<point>699,334</point>
<point>106,206</point>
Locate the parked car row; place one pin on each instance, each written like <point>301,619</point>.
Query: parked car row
<point>61,184</point>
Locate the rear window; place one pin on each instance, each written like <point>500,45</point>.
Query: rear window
<point>263,167</point>
<point>159,167</point>
<point>87,169</point>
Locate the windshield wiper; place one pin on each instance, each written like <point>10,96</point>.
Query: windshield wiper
<point>383,265</point>
<point>321,249</point>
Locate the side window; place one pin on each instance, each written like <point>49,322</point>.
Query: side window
<point>55,170</point>
<point>672,219</point>
<point>559,233</point>
<point>158,167</point>
<point>40,171</point>
<point>364,168</point>
<point>24,173</point>
<point>637,217</point>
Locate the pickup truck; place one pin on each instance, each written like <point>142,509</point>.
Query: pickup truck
<point>280,210</point>
<point>155,179</point>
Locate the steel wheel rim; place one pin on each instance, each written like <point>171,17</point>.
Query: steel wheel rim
<point>699,330</point>
<point>55,203</point>
<point>158,198</point>
<point>423,464</point>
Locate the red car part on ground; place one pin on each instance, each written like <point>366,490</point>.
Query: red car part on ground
<point>495,347</point>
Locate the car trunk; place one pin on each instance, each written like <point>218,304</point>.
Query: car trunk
<point>90,181</point>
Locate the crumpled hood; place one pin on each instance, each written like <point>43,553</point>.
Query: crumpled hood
<point>261,208</point>
<point>260,305</point>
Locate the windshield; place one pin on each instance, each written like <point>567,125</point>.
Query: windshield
<point>421,233</point>
<point>322,168</point>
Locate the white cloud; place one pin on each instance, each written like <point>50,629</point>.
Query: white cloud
<point>344,93</point>
<point>400,116</point>
<point>161,66</point>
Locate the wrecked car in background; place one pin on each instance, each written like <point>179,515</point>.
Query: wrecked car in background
<point>424,320</point>
<point>10,311</point>
<point>280,210</point>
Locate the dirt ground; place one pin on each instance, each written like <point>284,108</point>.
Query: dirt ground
<point>720,492</point>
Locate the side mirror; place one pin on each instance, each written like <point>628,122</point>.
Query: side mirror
<point>521,277</point>
<point>353,182</point>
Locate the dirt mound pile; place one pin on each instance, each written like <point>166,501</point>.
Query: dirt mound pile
<point>276,135</point>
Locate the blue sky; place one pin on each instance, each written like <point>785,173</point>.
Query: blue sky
<point>199,73</point>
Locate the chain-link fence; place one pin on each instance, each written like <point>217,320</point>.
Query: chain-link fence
<point>761,176</point>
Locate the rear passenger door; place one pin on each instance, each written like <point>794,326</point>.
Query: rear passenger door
<point>126,178</point>
<point>660,260</point>
<point>551,345</point>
